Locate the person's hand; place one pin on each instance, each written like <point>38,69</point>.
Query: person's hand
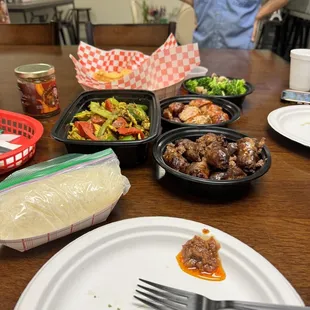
<point>255,30</point>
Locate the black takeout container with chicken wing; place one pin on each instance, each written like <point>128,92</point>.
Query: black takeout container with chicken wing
<point>130,153</point>
<point>228,107</point>
<point>200,184</point>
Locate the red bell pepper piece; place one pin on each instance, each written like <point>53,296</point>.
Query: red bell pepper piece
<point>119,123</point>
<point>109,105</point>
<point>86,130</point>
<point>97,119</point>
<point>130,131</point>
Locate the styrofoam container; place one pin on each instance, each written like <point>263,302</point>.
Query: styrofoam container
<point>197,71</point>
<point>300,69</point>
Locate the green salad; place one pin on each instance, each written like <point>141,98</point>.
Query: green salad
<point>217,86</point>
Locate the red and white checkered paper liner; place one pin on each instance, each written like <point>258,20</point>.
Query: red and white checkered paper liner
<point>167,66</point>
<point>23,245</point>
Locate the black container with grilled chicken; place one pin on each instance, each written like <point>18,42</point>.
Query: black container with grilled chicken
<point>170,119</point>
<point>212,170</point>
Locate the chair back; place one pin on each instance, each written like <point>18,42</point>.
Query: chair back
<point>29,34</point>
<point>130,35</point>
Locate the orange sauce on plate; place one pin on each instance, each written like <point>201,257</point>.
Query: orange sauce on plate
<point>218,275</point>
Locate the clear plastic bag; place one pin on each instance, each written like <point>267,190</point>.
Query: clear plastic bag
<point>53,195</point>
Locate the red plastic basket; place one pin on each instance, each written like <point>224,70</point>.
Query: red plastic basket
<point>30,131</point>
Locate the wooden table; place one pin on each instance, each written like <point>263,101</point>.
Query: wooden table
<point>37,5</point>
<point>273,217</point>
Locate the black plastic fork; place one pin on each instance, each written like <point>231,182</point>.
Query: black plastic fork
<point>167,298</point>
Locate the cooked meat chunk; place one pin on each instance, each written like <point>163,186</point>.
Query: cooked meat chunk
<point>191,152</point>
<point>207,109</point>
<point>200,103</point>
<point>248,153</point>
<point>199,120</point>
<point>198,169</point>
<point>167,114</point>
<point>234,172</point>
<point>201,254</point>
<point>176,108</point>
<point>219,117</point>
<point>217,156</point>
<point>189,112</point>
<point>232,148</point>
<point>173,158</point>
<point>209,138</point>
<point>218,176</point>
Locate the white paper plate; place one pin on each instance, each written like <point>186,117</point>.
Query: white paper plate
<point>102,268</point>
<point>292,122</point>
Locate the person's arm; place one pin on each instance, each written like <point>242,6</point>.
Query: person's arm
<point>190,2</point>
<point>267,9</point>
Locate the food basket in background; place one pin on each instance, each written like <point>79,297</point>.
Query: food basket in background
<point>162,72</point>
<point>30,131</point>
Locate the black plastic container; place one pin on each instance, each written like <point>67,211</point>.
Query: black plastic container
<point>195,184</point>
<point>228,107</point>
<point>130,153</point>
<point>237,99</point>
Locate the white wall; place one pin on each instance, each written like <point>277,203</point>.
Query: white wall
<point>108,11</point>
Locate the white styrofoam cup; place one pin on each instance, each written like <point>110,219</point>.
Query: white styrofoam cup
<point>300,69</point>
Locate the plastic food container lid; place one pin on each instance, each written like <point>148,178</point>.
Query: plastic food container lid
<point>302,54</point>
<point>34,70</point>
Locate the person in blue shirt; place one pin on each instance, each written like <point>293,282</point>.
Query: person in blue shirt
<point>230,23</point>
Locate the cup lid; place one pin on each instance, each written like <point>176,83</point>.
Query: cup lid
<point>301,53</point>
<point>34,70</point>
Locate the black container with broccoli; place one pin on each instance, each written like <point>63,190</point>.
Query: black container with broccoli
<point>232,89</point>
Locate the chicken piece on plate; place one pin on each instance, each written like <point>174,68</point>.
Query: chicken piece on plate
<point>199,120</point>
<point>176,108</point>
<point>248,153</point>
<point>174,158</point>
<point>198,169</point>
<point>200,103</point>
<point>189,112</point>
<point>191,152</point>
<point>167,114</point>
<point>217,156</point>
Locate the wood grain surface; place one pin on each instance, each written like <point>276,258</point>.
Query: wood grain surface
<point>272,216</point>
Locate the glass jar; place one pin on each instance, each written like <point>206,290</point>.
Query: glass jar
<point>37,85</point>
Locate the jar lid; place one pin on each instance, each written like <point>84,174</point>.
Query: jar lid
<point>34,70</point>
